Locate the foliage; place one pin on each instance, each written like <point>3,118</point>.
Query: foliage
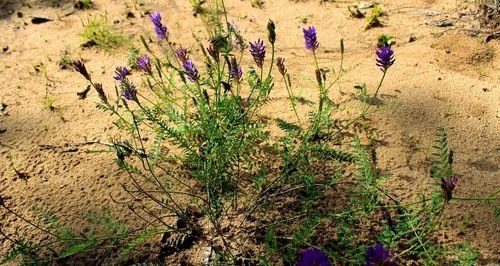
<point>204,166</point>
<point>98,31</point>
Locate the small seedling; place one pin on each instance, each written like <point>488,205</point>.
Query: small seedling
<point>15,168</point>
<point>132,57</point>
<point>65,62</point>
<point>98,31</point>
<point>304,18</point>
<point>385,39</point>
<point>373,19</point>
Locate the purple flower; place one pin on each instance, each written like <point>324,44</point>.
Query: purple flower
<point>80,68</point>
<point>258,51</point>
<point>313,257</point>
<point>191,71</point>
<point>120,73</point>
<point>160,29</point>
<point>448,185</point>
<point>378,256</point>
<point>280,63</point>
<point>181,54</point>
<point>129,92</point>
<point>311,38</point>
<point>235,71</point>
<point>144,62</point>
<point>385,56</point>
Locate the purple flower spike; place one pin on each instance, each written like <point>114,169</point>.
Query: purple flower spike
<point>378,256</point>
<point>120,73</point>
<point>80,68</point>
<point>258,51</point>
<point>144,62</point>
<point>160,29</point>
<point>181,54</point>
<point>130,92</point>
<point>191,71</point>
<point>311,38</point>
<point>236,73</point>
<point>385,57</point>
<point>280,63</point>
<point>448,185</point>
<point>313,257</point>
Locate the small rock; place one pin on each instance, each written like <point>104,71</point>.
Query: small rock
<point>40,20</point>
<point>365,5</point>
<point>412,38</point>
<point>473,33</point>
<point>20,14</point>
<point>443,23</point>
<point>130,14</point>
<point>431,13</point>
<point>206,256</point>
<point>5,49</point>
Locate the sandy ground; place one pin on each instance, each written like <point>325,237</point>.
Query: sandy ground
<point>443,78</point>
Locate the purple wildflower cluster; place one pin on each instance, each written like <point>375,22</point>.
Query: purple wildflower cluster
<point>129,89</point>
<point>385,56</point>
<point>313,257</point>
<point>144,63</point>
<point>258,51</point>
<point>235,71</point>
<point>181,54</point>
<point>378,256</point>
<point>310,38</point>
<point>448,185</point>
<point>120,73</point>
<point>160,29</point>
<point>191,72</point>
<point>280,63</point>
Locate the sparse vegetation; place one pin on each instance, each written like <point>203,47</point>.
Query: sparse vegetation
<point>99,32</point>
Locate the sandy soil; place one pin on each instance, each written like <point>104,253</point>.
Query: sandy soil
<point>444,77</point>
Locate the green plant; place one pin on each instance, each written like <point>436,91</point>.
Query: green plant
<point>373,19</point>
<point>203,164</point>
<point>98,31</point>
<point>65,62</point>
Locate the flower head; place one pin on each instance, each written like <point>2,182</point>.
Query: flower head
<point>378,256</point>
<point>448,185</point>
<point>100,92</point>
<point>271,31</point>
<point>235,71</point>
<point>160,29</point>
<point>181,54</point>
<point>129,92</point>
<point>258,51</point>
<point>310,38</point>
<point>120,73</point>
<point>191,71</point>
<point>385,56</point>
<point>144,62</point>
<point>313,257</point>
<point>80,68</point>
<point>280,63</point>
